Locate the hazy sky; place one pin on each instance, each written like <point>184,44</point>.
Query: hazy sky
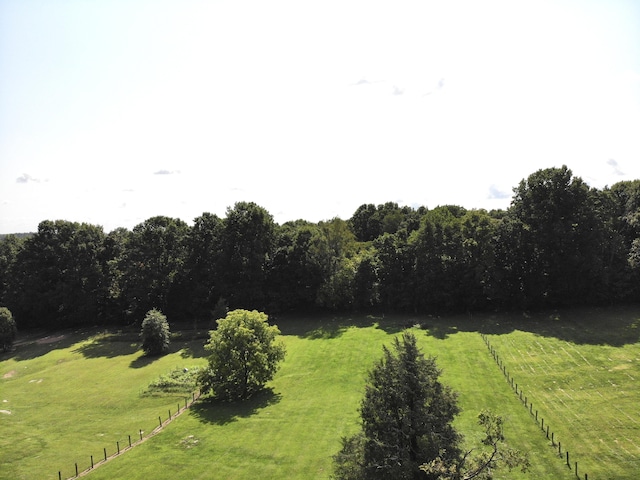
<point>112,112</point>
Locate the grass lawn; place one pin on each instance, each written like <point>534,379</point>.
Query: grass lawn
<point>90,397</point>
<point>583,378</point>
<point>72,394</point>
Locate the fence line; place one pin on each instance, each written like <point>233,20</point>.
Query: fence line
<point>529,404</point>
<point>188,402</point>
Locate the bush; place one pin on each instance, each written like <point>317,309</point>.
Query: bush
<point>8,329</point>
<point>155,333</point>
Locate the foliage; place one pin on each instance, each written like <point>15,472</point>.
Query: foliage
<point>560,243</point>
<point>178,380</point>
<point>155,333</point>
<point>58,278</point>
<point>243,355</point>
<point>482,465</point>
<point>154,256</point>
<point>246,247</point>
<point>8,329</point>
<point>406,418</point>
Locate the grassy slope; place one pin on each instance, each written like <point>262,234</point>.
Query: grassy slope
<point>89,398</point>
<point>294,432</point>
<point>73,397</point>
<point>584,383</point>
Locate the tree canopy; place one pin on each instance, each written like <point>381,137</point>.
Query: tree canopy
<point>244,354</point>
<point>560,243</point>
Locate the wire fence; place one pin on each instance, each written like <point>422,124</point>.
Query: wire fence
<point>528,403</point>
<point>92,462</point>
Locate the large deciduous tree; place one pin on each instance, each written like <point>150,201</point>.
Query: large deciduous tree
<point>561,238</point>
<point>407,416</point>
<point>247,244</point>
<point>244,354</point>
<point>58,276</point>
<point>155,254</point>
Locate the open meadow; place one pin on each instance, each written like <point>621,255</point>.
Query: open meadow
<point>69,395</point>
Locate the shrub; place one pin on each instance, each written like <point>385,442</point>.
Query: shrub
<point>155,333</point>
<point>8,329</point>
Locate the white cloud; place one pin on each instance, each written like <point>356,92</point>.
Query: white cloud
<point>26,178</point>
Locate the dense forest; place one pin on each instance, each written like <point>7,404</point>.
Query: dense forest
<point>560,243</point>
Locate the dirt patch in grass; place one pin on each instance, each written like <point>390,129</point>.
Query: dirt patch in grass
<point>51,339</point>
<point>9,374</point>
<point>6,412</point>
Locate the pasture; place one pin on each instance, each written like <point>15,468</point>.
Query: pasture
<point>70,395</point>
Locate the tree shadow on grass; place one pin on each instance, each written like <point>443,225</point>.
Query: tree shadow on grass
<point>613,326</point>
<point>328,326</point>
<point>32,344</point>
<point>221,413</point>
<point>109,345</point>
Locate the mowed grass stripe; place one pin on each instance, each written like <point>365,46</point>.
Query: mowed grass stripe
<point>586,393</point>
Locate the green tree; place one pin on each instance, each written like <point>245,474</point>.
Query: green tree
<point>295,273</point>
<point>155,333</point>
<point>562,238</point>
<point>199,286</point>
<point>406,417</point>
<point>9,248</point>
<point>247,244</point>
<point>58,276</point>
<point>8,329</point>
<point>155,255</point>
<point>243,355</point>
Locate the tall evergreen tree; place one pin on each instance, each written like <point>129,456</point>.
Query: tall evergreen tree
<point>406,417</point>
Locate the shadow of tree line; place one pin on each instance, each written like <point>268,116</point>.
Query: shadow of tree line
<point>613,326</point>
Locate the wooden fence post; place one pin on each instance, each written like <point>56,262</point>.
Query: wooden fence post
<point>118,447</point>
<point>140,435</point>
<point>568,464</point>
<point>160,420</point>
<point>91,461</point>
<point>129,440</point>
<point>59,475</point>
<point>105,454</point>
<point>76,469</point>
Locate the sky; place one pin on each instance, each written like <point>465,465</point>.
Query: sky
<point>112,112</point>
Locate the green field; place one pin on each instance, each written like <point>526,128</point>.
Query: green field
<point>72,394</point>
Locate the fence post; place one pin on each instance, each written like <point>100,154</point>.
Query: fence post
<point>118,447</point>
<point>76,469</point>
<point>576,469</point>
<point>169,414</point>
<point>91,461</point>
<point>140,435</point>
<point>543,424</point>
<point>552,442</point>
<point>129,440</point>
<point>59,475</point>
<point>547,431</point>
<point>160,420</point>
<point>568,464</point>
<point>105,454</point>
<point>559,448</point>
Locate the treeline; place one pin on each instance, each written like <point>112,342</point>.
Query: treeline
<point>560,243</point>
